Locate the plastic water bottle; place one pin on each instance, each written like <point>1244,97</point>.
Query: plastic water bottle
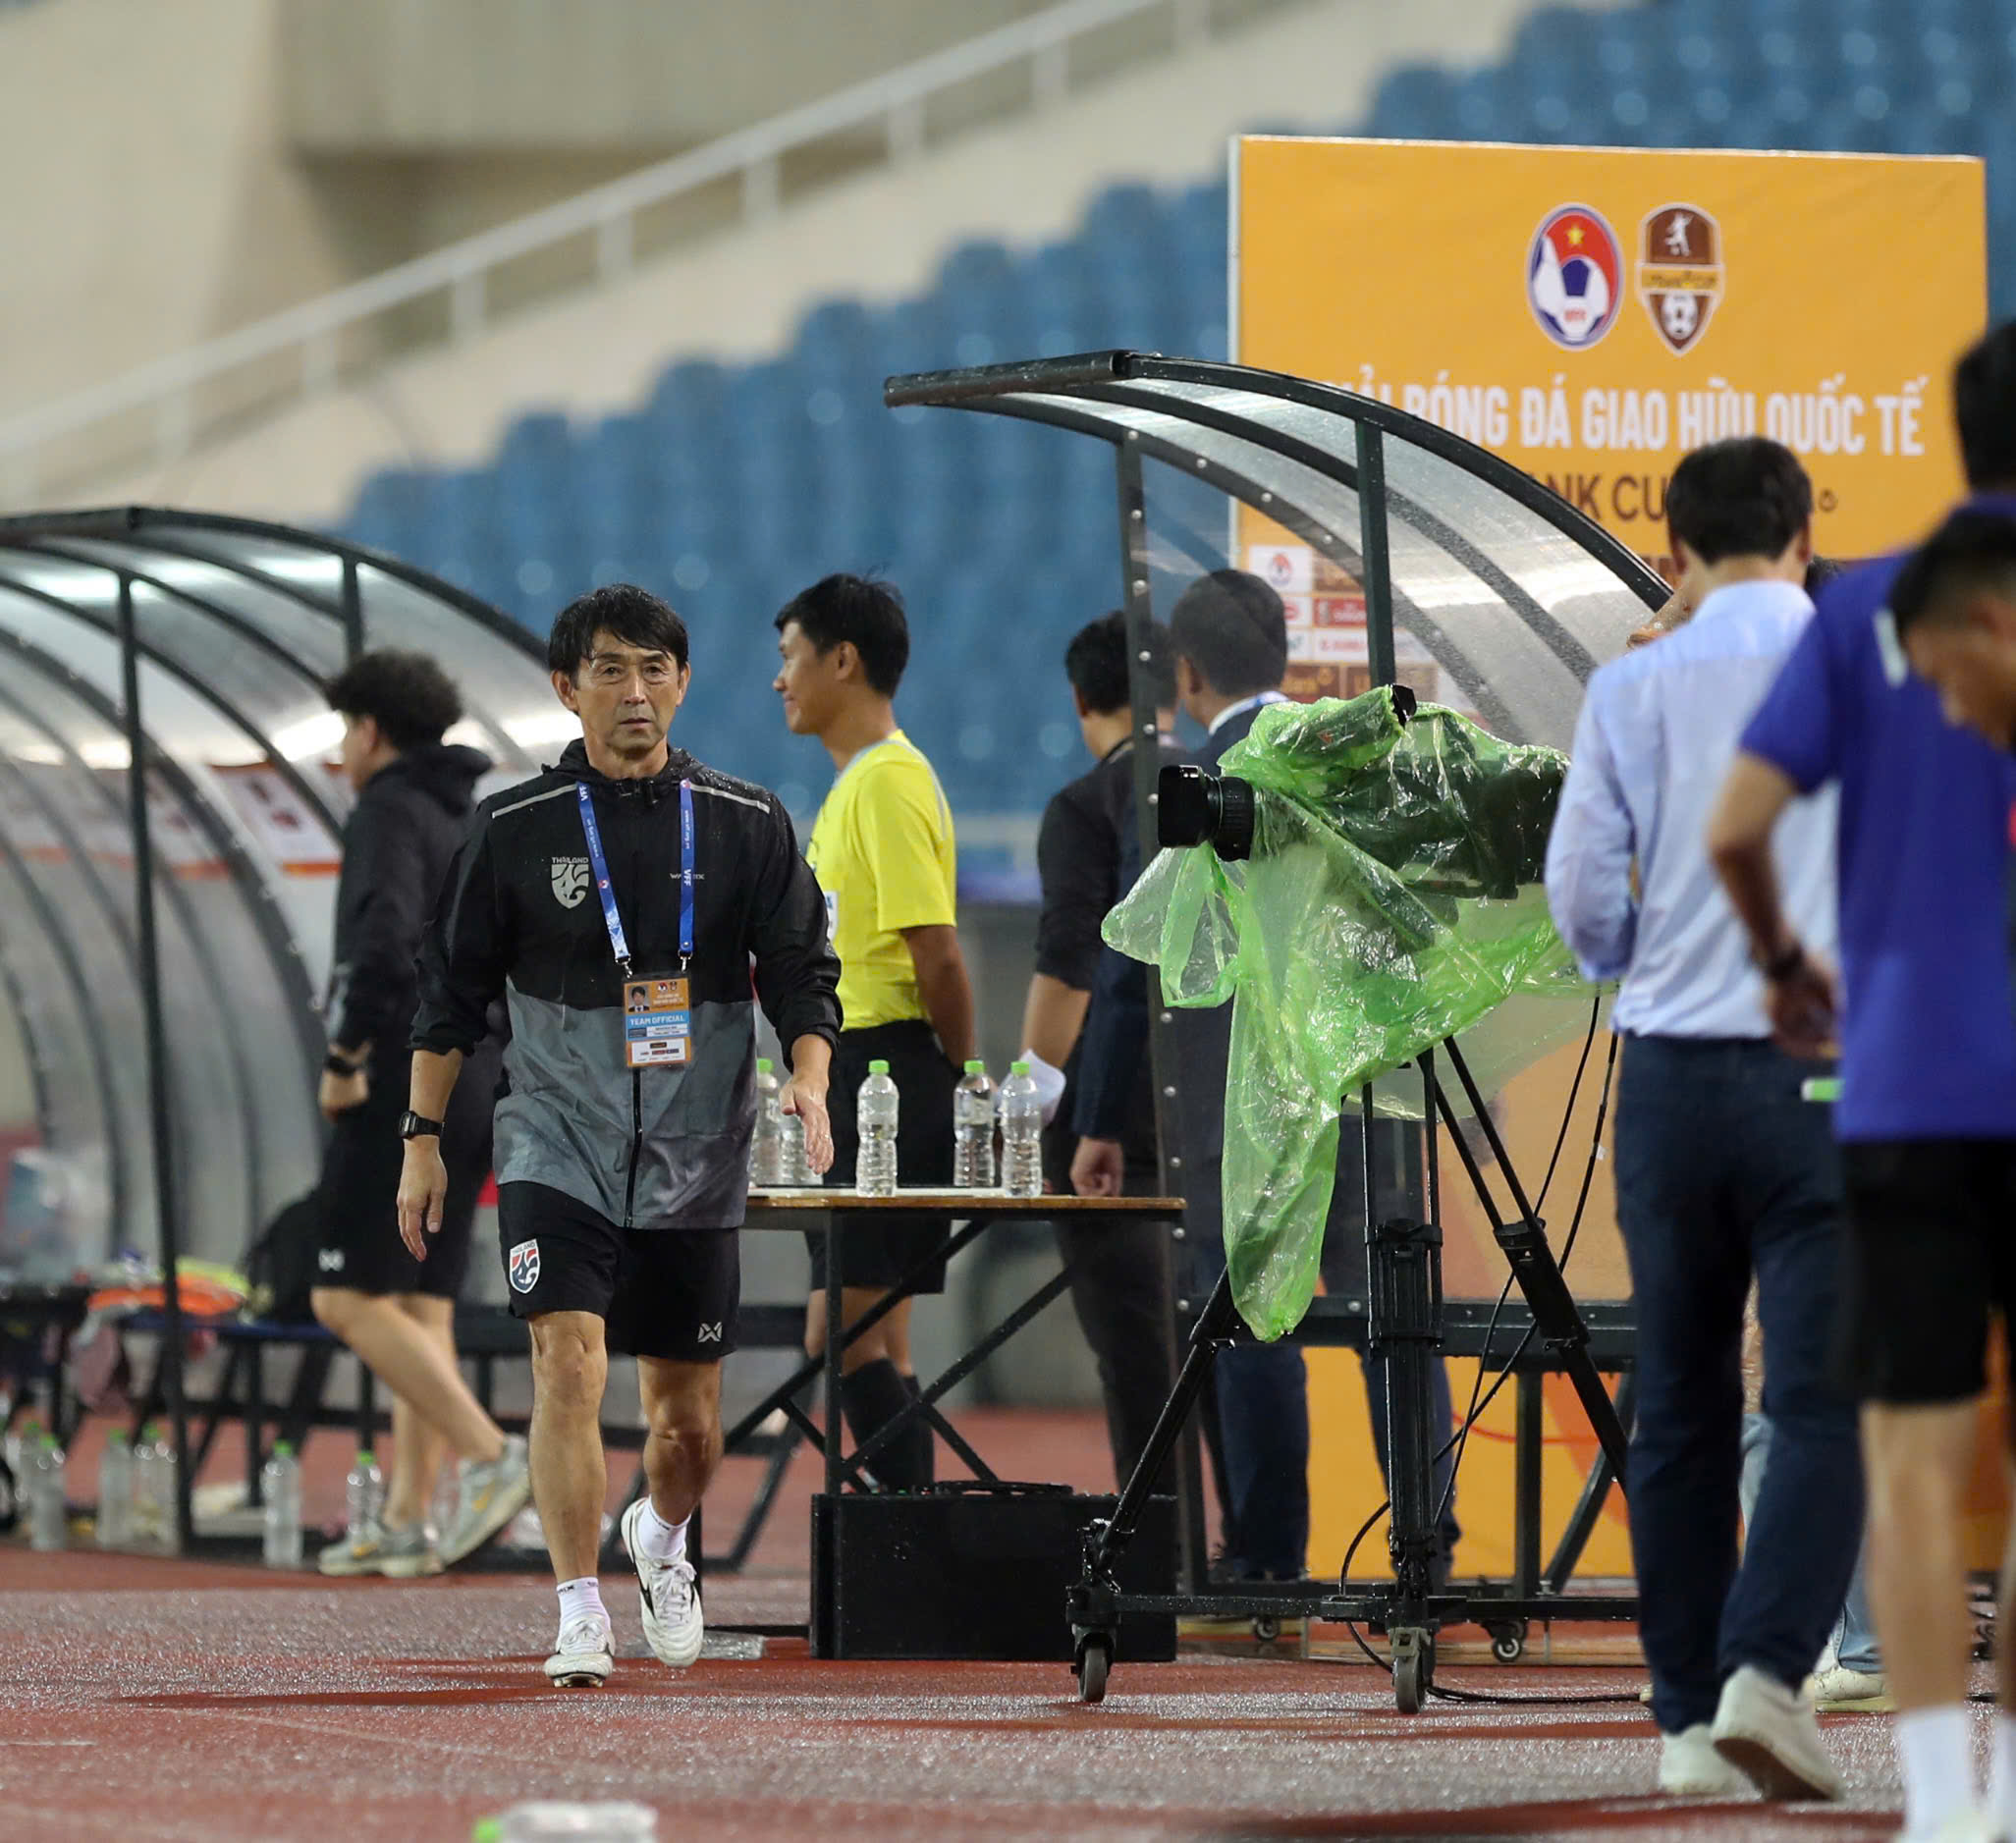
<point>791,1155</point>
<point>972,1156</point>
<point>167,1470</point>
<point>363,1494</point>
<point>766,1148</point>
<point>550,1821</point>
<point>875,1163</point>
<point>47,1496</point>
<point>280,1485</point>
<point>115,1491</point>
<point>144,1518</point>
<point>1021,1134</point>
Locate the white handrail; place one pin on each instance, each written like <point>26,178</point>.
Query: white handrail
<point>897,98</point>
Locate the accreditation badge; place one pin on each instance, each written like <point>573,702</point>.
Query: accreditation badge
<point>657,1022</point>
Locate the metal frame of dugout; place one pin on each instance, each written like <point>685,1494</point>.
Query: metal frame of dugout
<point>161,967</point>
<point>1518,597</point>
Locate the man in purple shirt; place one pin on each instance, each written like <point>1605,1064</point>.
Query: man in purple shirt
<point>1927,1118</point>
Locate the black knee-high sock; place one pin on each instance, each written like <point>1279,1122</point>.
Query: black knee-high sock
<point>872,1396</point>
<point>924,1439</point>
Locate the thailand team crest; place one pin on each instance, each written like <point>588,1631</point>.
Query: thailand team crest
<point>1679,272</point>
<point>523,1267</point>
<point>570,881</point>
<point>1574,276</point>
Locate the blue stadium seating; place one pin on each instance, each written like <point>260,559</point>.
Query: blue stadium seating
<point>733,486</point>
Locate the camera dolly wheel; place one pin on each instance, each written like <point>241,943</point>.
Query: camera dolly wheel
<point>1413,1667</point>
<point>1267,1627</point>
<point>1094,1659</point>
<point>1508,1641</point>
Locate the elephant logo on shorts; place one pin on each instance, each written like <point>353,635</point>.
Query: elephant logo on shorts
<point>570,881</point>
<point>523,1267</point>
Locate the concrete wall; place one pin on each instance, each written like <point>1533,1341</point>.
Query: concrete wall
<point>879,237</point>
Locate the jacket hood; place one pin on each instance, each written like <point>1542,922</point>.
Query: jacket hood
<point>574,761</point>
<point>446,773</point>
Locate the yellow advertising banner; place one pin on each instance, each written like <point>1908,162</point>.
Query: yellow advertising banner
<point>1590,315</point>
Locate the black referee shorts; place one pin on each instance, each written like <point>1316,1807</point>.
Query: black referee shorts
<point>878,1250</point>
<point>1929,1263</point>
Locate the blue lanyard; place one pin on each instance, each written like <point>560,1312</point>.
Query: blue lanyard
<point>598,866</point>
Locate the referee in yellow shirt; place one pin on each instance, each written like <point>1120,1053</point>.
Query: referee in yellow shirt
<point>882,848</point>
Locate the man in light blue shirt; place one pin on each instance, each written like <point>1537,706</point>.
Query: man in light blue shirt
<point>1722,1170</point>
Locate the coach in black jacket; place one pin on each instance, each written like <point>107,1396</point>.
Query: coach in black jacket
<point>415,796</point>
<point>617,903</point>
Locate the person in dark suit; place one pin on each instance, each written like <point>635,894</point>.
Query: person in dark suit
<point>1229,631</point>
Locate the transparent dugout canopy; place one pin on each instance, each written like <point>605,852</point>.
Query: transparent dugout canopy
<point>1403,553</point>
<point>235,629</point>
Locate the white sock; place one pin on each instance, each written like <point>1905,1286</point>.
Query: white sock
<point>2001,1771</point>
<point>659,1539</point>
<point>582,1598</point>
<point>1937,1752</point>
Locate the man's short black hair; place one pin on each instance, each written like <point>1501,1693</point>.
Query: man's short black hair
<point>634,616</point>
<point>1096,663</point>
<point>1984,408</point>
<point>1973,551</point>
<point>1745,497</point>
<point>412,701</point>
<point>866,613</point>
<point>1231,626</point>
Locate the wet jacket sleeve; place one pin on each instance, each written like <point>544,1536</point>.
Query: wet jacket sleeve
<point>382,927</point>
<point>797,973</point>
<point>465,951</point>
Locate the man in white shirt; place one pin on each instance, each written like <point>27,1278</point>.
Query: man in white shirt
<point>1723,1169</point>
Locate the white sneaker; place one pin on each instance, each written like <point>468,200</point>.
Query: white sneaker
<point>1843,1691</point>
<point>584,1656</point>
<point>1973,1826</point>
<point>1771,1734</point>
<point>667,1597</point>
<point>1690,1767</point>
<point>491,1494</point>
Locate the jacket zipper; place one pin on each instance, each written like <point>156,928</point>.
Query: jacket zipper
<point>630,1193</point>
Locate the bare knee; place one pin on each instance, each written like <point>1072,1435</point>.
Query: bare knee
<point>338,1308</point>
<point>570,1365</point>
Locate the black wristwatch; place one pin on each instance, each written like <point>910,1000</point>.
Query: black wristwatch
<point>413,1126</point>
<point>1785,963</point>
<point>336,1065</point>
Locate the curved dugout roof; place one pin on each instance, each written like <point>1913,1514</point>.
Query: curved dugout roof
<point>1517,596</point>
<point>237,627</point>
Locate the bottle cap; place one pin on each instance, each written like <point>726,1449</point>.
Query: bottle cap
<point>487,1831</point>
<point>976,1068</point>
<point>1018,1068</point>
<point>764,1065</point>
<point>878,1069</point>
<point>283,1449</point>
<point>365,1456</point>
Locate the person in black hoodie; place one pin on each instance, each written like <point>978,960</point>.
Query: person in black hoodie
<point>415,796</point>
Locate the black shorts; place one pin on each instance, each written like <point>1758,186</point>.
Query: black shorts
<point>878,1250</point>
<point>357,1244</point>
<point>660,1292</point>
<point>1932,1256</point>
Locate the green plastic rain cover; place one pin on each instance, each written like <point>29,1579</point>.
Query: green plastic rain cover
<point>1393,899</point>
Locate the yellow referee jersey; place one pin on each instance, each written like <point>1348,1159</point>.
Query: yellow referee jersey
<point>883,851</point>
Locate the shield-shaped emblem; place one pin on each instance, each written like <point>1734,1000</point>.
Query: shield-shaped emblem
<point>1679,272</point>
<point>523,1267</point>
<point>570,881</point>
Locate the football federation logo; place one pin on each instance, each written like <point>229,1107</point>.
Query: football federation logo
<point>570,881</point>
<point>523,1267</point>
<point>1574,276</point>
<point>1679,272</point>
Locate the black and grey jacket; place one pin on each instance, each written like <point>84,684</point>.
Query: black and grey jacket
<point>652,1148</point>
